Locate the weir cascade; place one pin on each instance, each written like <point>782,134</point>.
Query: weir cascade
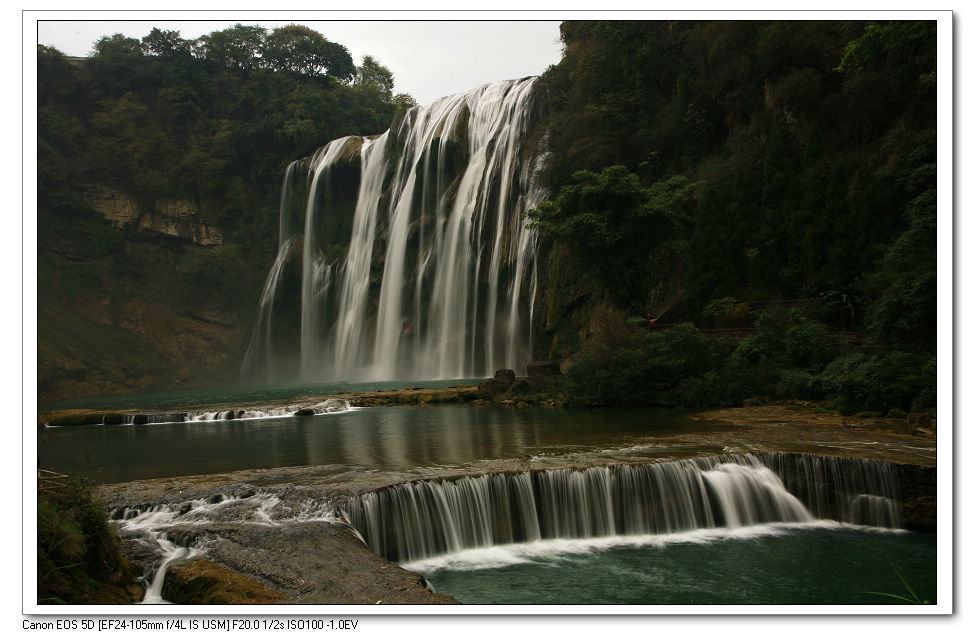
<point>404,255</point>
<point>291,534</point>
<point>420,519</point>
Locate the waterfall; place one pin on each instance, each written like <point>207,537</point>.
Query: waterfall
<point>859,491</point>
<point>415,261</point>
<point>420,519</point>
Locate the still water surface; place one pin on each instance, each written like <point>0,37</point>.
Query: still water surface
<point>368,438</point>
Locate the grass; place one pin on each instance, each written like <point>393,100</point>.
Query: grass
<point>911,598</point>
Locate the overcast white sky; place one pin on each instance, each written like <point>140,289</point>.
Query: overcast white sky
<point>429,59</point>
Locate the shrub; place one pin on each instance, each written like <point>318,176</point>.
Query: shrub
<point>78,561</point>
<point>630,368</point>
<point>893,379</point>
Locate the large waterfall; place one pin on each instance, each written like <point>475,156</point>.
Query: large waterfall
<point>405,255</point>
<point>425,518</point>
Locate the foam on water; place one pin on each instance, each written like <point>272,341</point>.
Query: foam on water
<point>553,552</point>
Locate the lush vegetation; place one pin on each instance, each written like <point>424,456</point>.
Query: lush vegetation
<point>78,560</point>
<point>210,123</point>
<point>776,177</point>
<point>214,120</point>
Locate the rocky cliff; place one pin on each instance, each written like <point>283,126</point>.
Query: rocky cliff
<point>166,303</point>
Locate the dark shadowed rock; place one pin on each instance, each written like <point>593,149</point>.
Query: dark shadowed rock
<point>520,387</point>
<point>918,487</point>
<point>304,412</point>
<point>497,385</point>
<point>505,374</point>
<point>545,369</point>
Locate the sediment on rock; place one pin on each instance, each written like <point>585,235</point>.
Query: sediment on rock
<point>205,582</point>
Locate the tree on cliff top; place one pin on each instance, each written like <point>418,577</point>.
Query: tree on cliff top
<point>298,49</point>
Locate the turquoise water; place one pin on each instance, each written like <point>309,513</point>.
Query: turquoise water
<point>821,564</point>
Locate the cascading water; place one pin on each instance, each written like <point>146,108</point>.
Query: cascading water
<point>415,261</point>
<point>544,510</point>
<point>421,519</point>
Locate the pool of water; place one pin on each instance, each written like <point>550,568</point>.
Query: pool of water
<point>368,438</point>
<point>820,563</point>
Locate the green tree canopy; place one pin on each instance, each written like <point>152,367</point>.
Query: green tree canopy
<point>299,49</point>
<point>372,73</point>
<point>165,44</point>
<point>616,228</point>
<point>236,47</point>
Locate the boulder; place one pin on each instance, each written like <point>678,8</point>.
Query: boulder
<point>497,385</point>
<point>505,374</point>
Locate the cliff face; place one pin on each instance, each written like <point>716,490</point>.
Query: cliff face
<point>155,310</point>
<point>175,218</point>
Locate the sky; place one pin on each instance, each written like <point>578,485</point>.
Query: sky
<point>429,59</point>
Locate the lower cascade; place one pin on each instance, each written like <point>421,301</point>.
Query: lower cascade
<point>417,520</point>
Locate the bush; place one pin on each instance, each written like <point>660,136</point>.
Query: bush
<point>880,382</point>
<point>633,368</point>
<point>788,340</point>
<point>78,561</point>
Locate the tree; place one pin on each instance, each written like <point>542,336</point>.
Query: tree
<point>891,44</point>
<point>298,49</point>
<point>117,47</point>
<point>404,101</point>
<point>165,44</point>
<point>617,229</point>
<point>372,73</point>
<point>236,47</point>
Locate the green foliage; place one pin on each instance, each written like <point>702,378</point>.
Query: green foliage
<point>629,367</point>
<point>912,598</point>
<point>788,357</point>
<point>236,47</point>
<point>888,43</point>
<point>372,73</point>
<point>77,551</point>
<point>214,120</point>
<point>787,341</point>
<point>165,44</point>
<point>726,311</point>
<point>815,143</point>
<point>625,233</point>
<point>299,49</point>
<point>879,382</point>
<point>214,275</point>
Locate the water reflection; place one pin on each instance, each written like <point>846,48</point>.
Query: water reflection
<point>370,438</point>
